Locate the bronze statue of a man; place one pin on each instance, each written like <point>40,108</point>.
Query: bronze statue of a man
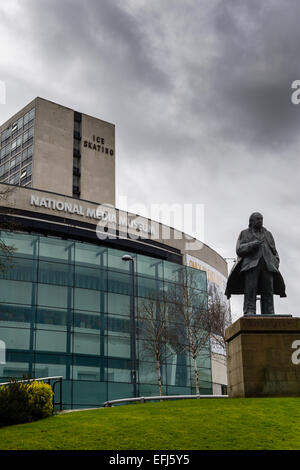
<point>256,269</point>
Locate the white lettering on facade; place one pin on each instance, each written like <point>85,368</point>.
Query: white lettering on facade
<point>56,205</point>
<point>91,213</point>
<point>105,217</point>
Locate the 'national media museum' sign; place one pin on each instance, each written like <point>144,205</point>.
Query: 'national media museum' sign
<point>101,213</point>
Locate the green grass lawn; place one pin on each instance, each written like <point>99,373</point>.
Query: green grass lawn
<point>238,424</point>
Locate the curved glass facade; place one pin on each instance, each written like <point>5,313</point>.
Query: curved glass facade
<point>65,310</point>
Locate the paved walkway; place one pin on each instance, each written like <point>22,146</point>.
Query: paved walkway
<point>80,409</point>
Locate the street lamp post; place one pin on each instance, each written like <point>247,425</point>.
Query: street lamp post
<point>132,318</point>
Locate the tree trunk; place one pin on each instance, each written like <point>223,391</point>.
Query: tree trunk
<point>196,374</point>
<point>159,377</point>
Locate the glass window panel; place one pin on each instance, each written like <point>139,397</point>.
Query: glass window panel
<point>14,315</point>
<point>15,368</point>
<point>16,292</point>
<point>90,255</point>
<point>55,273</point>
<point>90,361</point>
<point>119,390</point>
<point>76,144</point>
<point>53,341</point>
<point>45,358</point>
<point>198,278</point>
<point>54,296</point>
<point>26,245</point>
<point>118,375</point>
<point>115,260</point>
<point>16,338</point>
<point>119,370</point>
<point>171,371</point>
<point>27,154</point>
<point>174,390</point>
<point>149,266</point>
<point>26,118</point>
<point>147,373</point>
<point>90,278</point>
<point>87,393</point>
<point>28,170</point>
<point>94,322</point>
<point>86,373</point>
<point>145,307</point>
<point>19,269</point>
<point>14,179</point>
<point>77,126</point>
<point>47,365</point>
<point>118,347</point>
<point>203,360</point>
<point>148,390</point>
<point>118,304</point>
<point>145,350</point>
<point>172,271</point>
<point>183,375</point>
<point>148,287</point>
<point>54,249</point>
<point>118,325</point>
<point>86,299</point>
<point>204,375</point>
<point>53,318</point>
<point>85,343</point>
<point>119,283</point>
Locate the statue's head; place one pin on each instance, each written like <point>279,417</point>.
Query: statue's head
<point>255,220</point>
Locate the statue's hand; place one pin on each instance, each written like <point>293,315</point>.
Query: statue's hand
<point>256,244</point>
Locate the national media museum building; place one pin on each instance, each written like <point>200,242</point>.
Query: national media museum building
<point>66,299</point>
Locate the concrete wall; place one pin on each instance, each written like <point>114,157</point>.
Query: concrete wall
<point>218,372</point>
<point>53,148</point>
<point>97,160</point>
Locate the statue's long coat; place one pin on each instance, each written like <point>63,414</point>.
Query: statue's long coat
<point>248,258</point>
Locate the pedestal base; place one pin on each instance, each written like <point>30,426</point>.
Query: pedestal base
<point>263,356</point>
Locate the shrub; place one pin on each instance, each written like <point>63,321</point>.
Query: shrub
<point>25,402</point>
<point>40,397</point>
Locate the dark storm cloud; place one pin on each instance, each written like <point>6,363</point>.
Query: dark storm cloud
<point>250,76</point>
<point>97,36</point>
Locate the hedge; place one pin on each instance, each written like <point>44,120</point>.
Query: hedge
<point>25,402</point>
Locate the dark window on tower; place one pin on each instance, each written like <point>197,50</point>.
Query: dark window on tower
<point>76,154</point>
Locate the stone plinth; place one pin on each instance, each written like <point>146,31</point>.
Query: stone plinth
<point>262,356</point>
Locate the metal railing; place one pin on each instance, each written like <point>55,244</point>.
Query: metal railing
<point>158,398</point>
<point>57,379</point>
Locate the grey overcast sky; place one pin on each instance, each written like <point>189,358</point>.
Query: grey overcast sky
<point>199,91</point>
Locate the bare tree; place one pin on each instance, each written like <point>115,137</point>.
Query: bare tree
<point>182,319</point>
<point>189,304</point>
<point>219,317</point>
<point>153,327</point>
